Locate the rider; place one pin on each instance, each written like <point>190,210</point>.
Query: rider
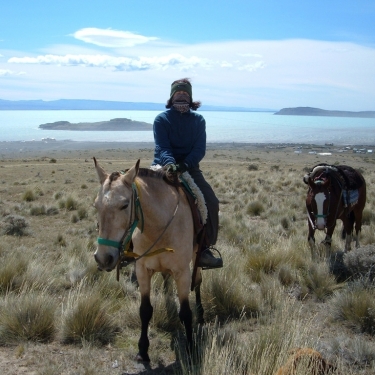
<point>180,144</point>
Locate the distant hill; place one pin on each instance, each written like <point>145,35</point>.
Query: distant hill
<point>116,124</point>
<point>73,104</point>
<point>309,111</point>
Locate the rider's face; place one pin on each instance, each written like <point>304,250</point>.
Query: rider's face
<point>181,96</point>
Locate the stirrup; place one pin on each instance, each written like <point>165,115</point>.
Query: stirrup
<point>212,249</point>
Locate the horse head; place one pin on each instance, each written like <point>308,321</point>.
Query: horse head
<point>317,201</point>
<point>115,206</point>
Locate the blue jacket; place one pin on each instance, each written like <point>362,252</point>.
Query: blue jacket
<point>179,137</point>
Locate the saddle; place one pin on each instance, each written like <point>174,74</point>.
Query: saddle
<point>193,202</point>
<point>349,179</point>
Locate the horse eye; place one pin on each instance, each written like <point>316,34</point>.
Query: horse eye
<point>125,206</point>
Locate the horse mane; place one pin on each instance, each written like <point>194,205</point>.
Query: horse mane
<point>170,179</point>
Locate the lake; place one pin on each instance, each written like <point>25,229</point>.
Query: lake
<point>221,127</point>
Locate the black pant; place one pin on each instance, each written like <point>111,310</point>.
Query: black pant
<point>212,203</point>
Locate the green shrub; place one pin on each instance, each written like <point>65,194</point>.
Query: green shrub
<point>15,225</point>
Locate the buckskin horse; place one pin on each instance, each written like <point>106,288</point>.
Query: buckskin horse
<point>140,205</point>
<point>335,192</point>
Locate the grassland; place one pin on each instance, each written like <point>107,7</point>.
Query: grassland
<point>59,315</point>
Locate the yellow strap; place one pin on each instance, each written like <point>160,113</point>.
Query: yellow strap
<point>130,254</point>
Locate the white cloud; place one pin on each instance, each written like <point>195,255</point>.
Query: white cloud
<point>6,72</point>
<point>111,38</point>
<point>177,61</point>
<point>271,74</point>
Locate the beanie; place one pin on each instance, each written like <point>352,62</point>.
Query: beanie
<point>182,86</point>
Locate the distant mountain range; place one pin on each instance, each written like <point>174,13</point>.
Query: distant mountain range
<point>309,111</point>
<point>80,104</point>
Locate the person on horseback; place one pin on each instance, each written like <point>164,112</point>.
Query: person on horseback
<point>180,144</point>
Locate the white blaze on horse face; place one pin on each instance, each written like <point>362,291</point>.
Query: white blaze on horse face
<point>107,195</point>
<point>319,199</point>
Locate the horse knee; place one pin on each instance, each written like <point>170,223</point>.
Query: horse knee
<point>185,313</point>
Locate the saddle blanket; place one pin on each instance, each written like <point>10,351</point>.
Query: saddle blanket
<point>350,197</point>
<point>200,201</point>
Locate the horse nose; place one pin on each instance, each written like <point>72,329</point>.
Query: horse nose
<point>97,262</point>
<point>107,263</point>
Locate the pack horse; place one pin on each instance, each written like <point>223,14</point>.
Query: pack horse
<point>140,205</point>
<point>334,192</point>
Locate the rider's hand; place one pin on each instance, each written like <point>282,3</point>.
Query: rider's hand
<point>181,167</point>
<point>171,168</point>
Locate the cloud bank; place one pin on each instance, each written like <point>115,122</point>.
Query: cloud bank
<point>121,65</point>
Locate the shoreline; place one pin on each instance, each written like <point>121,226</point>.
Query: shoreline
<point>21,149</point>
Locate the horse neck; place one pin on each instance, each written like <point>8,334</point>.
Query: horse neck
<point>158,199</point>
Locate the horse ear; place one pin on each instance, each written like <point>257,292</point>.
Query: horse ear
<point>306,178</point>
<point>131,174</point>
<point>100,171</point>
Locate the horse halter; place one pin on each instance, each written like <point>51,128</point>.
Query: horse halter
<point>136,210</point>
<point>124,243</point>
<point>325,216</point>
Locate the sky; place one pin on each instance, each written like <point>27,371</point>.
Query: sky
<point>267,54</point>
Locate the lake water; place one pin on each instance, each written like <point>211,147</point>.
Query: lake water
<point>221,127</point>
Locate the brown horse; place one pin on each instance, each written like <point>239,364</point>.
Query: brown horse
<point>140,205</point>
<point>335,192</point>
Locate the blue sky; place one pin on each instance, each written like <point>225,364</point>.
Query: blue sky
<point>249,53</point>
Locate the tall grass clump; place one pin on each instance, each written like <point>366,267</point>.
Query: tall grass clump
<point>87,318</point>
<point>27,316</point>
<point>12,268</point>
<point>29,196</point>
<point>361,262</point>
<point>319,281</point>
<point>227,296</point>
<point>356,307</point>
<point>255,208</point>
<point>71,203</point>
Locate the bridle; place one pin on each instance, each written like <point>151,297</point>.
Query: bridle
<point>313,221</point>
<point>137,217</point>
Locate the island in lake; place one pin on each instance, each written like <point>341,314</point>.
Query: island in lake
<point>116,124</point>
<point>309,111</point>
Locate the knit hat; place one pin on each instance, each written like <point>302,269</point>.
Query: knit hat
<point>182,86</point>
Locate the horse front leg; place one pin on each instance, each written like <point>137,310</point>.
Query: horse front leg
<point>328,240</point>
<point>145,312</point>
<point>311,241</point>
<point>185,314</point>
